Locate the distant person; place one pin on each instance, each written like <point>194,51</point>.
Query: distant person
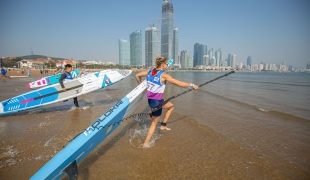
<point>156,83</point>
<point>67,76</point>
<point>29,71</point>
<point>3,73</point>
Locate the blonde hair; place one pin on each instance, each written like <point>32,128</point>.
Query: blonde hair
<point>160,60</point>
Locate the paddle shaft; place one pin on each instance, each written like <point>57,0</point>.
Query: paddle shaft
<point>189,90</point>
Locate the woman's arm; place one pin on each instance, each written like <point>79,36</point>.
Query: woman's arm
<point>174,81</point>
<point>139,75</point>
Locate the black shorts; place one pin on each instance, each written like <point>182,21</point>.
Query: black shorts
<point>153,103</point>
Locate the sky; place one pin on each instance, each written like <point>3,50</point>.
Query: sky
<point>270,31</point>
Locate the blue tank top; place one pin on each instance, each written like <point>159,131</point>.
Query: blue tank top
<point>155,89</point>
<point>68,76</point>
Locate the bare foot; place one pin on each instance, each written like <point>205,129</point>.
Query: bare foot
<point>165,128</point>
<point>144,146</point>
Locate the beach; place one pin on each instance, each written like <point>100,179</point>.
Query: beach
<point>215,134</point>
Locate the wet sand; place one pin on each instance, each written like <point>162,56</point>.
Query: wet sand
<point>190,150</point>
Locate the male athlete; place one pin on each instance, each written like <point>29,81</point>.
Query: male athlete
<point>67,76</point>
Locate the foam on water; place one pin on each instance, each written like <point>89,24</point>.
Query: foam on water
<point>8,157</point>
<point>137,136</point>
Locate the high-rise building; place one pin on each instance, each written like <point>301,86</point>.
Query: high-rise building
<point>199,51</point>
<point>233,60</point>
<point>210,53</point>
<point>308,65</point>
<point>190,62</point>
<point>261,66</point>
<point>218,57</point>
<point>167,30</point>
<point>228,60</point>
<point>151,45</point>
<point>184,60</point>
<point>175,45</point>
<point>124,52</point>
<point>290,68</point>
<point>283,66</point>
<point>205,60</point>
<point>136,48</point>
<point>213,61</point>
<point>249,61</point>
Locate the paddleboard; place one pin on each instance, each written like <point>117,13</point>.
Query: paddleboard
<point>67,159</point>
<point>54,93</point>
<point>50,80</point>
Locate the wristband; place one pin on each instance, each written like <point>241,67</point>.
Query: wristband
<point>191,86</point>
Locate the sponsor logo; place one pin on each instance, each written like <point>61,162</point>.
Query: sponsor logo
<point>107,81</point>
<point>97,124</point>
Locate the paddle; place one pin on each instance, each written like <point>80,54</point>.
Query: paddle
<point>166,101</point>
<point>50,94</point>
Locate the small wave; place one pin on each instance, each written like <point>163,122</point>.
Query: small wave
<point>85,107</point>
<point>264,110</point>
<point>270,111</point>
<point>72,108</point>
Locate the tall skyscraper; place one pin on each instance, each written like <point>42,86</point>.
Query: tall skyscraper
<point>175,45</point>
<point>218,57</point>
<point>136,48</point>
<point>228,60</point>
<point>199,51</point>
<point>167,30</point>
<point>205,60</point>
<point>210,53</point>
<point>249,61</point>
<point>308,65</point>
<point>283,66</point>
<point>151,46</point>
<point>184,60</point>
<point>190,62</point>
<point>124,52</point>
<point>233,60</point>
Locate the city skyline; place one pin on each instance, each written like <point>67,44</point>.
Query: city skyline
<point>82,30</point>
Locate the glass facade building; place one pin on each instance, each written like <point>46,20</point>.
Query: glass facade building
<point>151,46</point>
<point>210,53</point>
<point>218,57</point>
<point>233,60</point>
<point>175,46</point>
<point>136,48</point>
<point>124,52</point>
<point>199,51</point>
<point>184,60</point>
<point>249,61</point>
<point>167,30</point>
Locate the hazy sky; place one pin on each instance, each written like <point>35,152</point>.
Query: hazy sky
<point>269,30</point>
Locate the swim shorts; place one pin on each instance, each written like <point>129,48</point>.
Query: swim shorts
<point>153,103</point>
